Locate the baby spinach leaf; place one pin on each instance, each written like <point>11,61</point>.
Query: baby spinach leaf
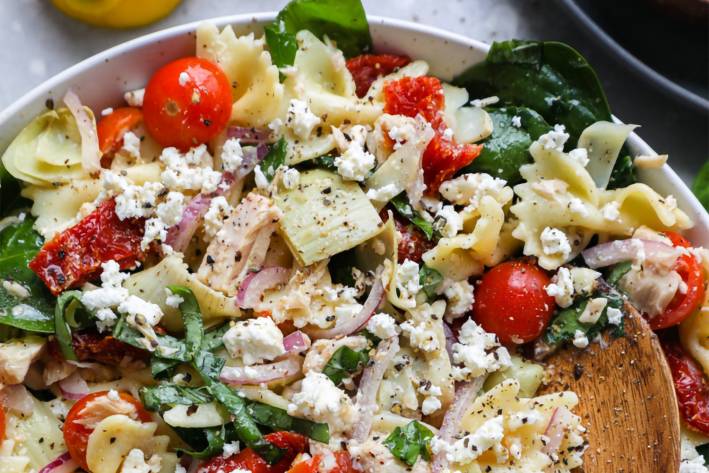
<point>508,147</point>
<point>549,77</point>
<point>155,398</point>
<point>278,419</point>
<point>343,21</point>
<point>275,158</point>
<point>191,318</point>
<point>623,173</point>
<point>403,208</point>
<point>701,185</point>
<point>429,279</point>
<point>343,363</point>
<point>617,271</point>
<point>67,303</point>
<point>408,443</point>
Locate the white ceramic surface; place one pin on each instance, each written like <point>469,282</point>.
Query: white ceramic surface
<point>102,79</point>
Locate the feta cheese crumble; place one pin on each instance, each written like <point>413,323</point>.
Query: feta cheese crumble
<point>383,194</point>
<point>189,171</point>
<point>383,326</point>
<point>232,155</point>
<point>290,177</point>
<point>321,401</point>
<point>135,463</point>
<point>471,446</point>
<point>430,405</point>
<point>407,282</point>
<point>615,316</point>
<point>134,98</point>
<point>300,119</point>
<point>580,155</point>
<point>219,210</point>
<point>477,353</point>
<point>461,296</point>
<point>106,111</point>
<point>355,162</point>
<point>173,300</point>
<point>517,121</point>
<point>448,222</point>
<point>561,288</point>
<point>254,340</point>
<point>555,139</point>
<point>611,211</point>
<point>580,339</point>
<point>131,144</point>
<point>555,242</point>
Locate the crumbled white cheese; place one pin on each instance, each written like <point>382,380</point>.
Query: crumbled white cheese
<point>135,463</point>
<point>485,102</point>
<point>134,98</point>
<point>290,178</point>
<point>383,194</point>
<point>615,316</point>
<point>577,206</point>
<point>355,162</point>
<point>260,178</point>
<point>580,155</point>
<point>183,78</point>
<point>470,188</point>
<point>448,222</point>
<point>189,171</point>
<point>140,312</point>
<point>407,282</point>
<point>430,405</point>
<point>584,280</point>
<point>611,211</point>
<point>321,401</point>
<point>461,296</point>
<point>276,126</point>
<point>403,132</point>
<point>230,448</point>
<point>650,161</point>
<point>561,288</point>
<point>555,242</point>
<point>383,326</point>
<point>471,446</point>
<point>580,339</point>
<point>106,111</point>
<point>593,310</point>
<point>300,119</point>
<point>517,121</point>
<point>477,353</point>
<point>131,144</point>
<point>15,289</point>
<point>254,340</point>
<point>219,210</point>
<point>232,155</point>
<point>137,201</point>
<point>111,294</point>
<point>155,229</point>
<point>173,300</point>
<point>555,139</point>
<point>170,211</point>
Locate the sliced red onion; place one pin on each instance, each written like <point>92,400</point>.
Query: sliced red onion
<point>90,153</point>
<point>255,284</point>
<point>560,418</point>
<point>74,387</point>
<point>347,325</point>
<point>16,398</point>
<point>252,156</point>
<point>238,375</point>
<point>450,339</point>
<point>259,249</point>
<point>249,136</point>
<point>465,394</point>
<point>372,376</point>
<point>296,342</point>
<point>180,235</point>
<point>62,464</point>
<point>618,251</point>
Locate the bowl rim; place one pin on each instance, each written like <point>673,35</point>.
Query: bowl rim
<point>673,182</point>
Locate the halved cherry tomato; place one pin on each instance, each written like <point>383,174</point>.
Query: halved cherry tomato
<point>691,385</point>
<point>187,102</point>
<point>74,256</point>
<point>510,301</point>
<point>307,466</point>
<point>443,156</point>
<point>248,460</point>
<point>367,68</point>
<point>76,434</point>
<point>683,304</point>
<point>113,126</point>
<point>3,421</point>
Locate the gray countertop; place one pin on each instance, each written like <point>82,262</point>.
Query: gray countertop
<point>39,42</point>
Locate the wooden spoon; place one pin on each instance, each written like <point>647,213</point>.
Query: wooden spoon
<point>626,401</point>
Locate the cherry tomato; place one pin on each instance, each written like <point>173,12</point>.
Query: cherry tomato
<point>683,304</point>
<point>74,256</point>
<point>248,460</point>
<point>344,463</point>
<point>367,68</point>
<point>3,421</point>
<point>510,301</point>
<point>187,102</point>
<point>423,96</point>
<point>76,434</point>
<point>307,466</point>
<point>691,386</point>
<point>112,127</point>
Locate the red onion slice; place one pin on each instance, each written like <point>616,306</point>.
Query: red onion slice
<point>62,464</point>
<point>345,326</point>
<point>255,284</point>
<point>18,399</point>
<point>618,251</point>
<point>238,375</point>
<point>90,153</point>
<point>450,339</point>
<point>296,342</point>
<point>252,156</point>
<point>465,394</point>
<point>74,387</point>
<point>560,418</point>
<point>249,136</point>
<point>369,386</point>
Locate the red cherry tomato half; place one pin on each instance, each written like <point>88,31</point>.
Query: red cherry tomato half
<point>367,68</point>
<point>248,460</point>
<point>510,301</point>
<point>112,127</point>
<point>187,102</point>
<point>690,385</point>
<point>308,466</point>
<point>76,434</point>
<point>684,303</point>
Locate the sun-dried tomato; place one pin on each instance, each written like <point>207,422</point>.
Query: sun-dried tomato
<point>92,346</point>
<point>691,386</point>
<point>367,68</point>
<point>423,96</point>
<point>74,256</point>
<point>248,460</point>
<point>412,241</point>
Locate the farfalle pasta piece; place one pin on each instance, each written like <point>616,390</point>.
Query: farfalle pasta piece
<point>638,205</point>
<point>259,97</point>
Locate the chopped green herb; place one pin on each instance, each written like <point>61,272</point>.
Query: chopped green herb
<point>343,363</point>
<point>403,208</point>
<point>275,158</point>
<point>408,443</point>
<point>155,398</point>
<point>429,279</point>
<point>278,419</point>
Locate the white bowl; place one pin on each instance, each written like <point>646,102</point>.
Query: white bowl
<point>102,79</point>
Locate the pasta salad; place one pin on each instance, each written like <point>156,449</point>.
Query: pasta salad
<point>292,253</point>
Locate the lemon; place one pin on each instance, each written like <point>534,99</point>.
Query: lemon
<point>117,13</point>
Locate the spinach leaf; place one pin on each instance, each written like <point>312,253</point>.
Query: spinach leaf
<point>429,279</point>
<point>341,266</point>
<point>343,363</point>
<point>616,273</point>
<point>191,318</point>
<point>213,338</point>
<point>154,398</point>
<point>67,303</point>
<point>278,419</point>
<point>275,158</point>
<point>508,147</point>
<point>549,77</point>
<point>408,443</point>
<point>701,185</point>
<point>207,442</point>
<point>161,367</point>
<point>343,21</point>
<point>623,173</point>
<point>403,208</point>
